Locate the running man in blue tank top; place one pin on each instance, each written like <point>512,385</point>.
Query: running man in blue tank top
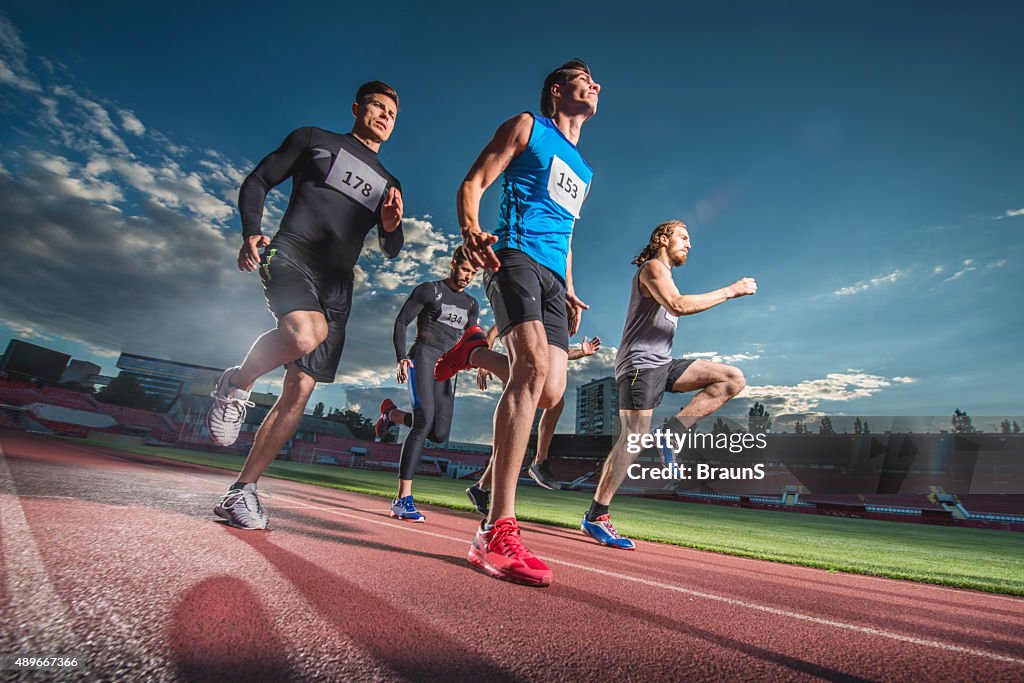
<point>529,284</point>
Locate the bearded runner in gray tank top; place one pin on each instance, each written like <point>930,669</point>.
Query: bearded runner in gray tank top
<point>645,370</point>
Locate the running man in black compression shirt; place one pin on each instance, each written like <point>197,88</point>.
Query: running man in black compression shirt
<point>442,310</point>
<point>340,191</point>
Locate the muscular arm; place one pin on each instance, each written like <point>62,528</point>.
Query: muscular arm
<point>390,237</point>
<point>509,141</point>
<point>657,279</point>
<point>492,336</point>
<point>573,305</point>
<point>410,309</point>
<point>275,168</point>
<point>587,348</point>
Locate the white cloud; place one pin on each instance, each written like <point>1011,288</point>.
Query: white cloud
<point>716,357</point>
<point>13,60</point>
<point>1011,214</point>
<point>26,331</point>
<point>865,285</point>
<point>131,124</point>
<point>835,387</point>
<point>997,264</point>
<point>968,266</point>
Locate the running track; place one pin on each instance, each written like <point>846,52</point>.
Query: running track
<point>116,558</point>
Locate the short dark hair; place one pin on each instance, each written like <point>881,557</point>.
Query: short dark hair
<point>460,255</point>
<point>561,76</point>
<point>376,88</point>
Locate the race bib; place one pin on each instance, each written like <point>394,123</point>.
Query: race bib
<point>565,187</point>
<point>453,316</point>
<point>674,319</point>
<point>355,179</point>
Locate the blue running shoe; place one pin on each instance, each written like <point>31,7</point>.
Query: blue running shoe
<point>604,533</point>
<point>405,509</point>
<point>666,453</point>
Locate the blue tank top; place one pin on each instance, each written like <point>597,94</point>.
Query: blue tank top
<point>542,191</point>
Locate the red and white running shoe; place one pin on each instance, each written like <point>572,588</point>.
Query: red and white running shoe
<point>500,552</point>
<point>457,358</point>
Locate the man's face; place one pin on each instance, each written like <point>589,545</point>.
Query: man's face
<point>462,273</point>
<point>375,117</point>
<point>578,94</point>
<point>678,245</point>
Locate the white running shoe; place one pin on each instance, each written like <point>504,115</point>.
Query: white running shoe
<point>242,508</point>
<point>224,421</point>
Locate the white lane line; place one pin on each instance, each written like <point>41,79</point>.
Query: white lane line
<point>43,621</point>
<point>39,612</point>
<point>678,589</point>
<point>701,594</point>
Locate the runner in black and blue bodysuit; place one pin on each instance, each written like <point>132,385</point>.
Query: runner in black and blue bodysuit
<point>442,311</point>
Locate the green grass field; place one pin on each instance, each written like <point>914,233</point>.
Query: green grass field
<point>968,558</point>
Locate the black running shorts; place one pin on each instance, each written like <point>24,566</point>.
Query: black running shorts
<point>290,285</point>
<point>644,389</point>
<point>523,290</point>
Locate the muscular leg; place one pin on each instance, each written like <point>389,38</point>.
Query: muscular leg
<point>297,334</point>
<point>546,429</point>
<point>493,361</point>
<point>498,364</point>
<point>529,358</point>
<point>717,382</point>
<point>280,423</point>
<point>619,459</point>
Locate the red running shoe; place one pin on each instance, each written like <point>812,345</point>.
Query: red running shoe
<point>457,357</point>
<point>500,552</point>
<point>384,422</point>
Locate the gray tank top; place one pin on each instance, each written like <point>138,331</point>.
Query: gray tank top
<point>647,334</point>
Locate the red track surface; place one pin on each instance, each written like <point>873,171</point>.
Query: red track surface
<point>116,558</point>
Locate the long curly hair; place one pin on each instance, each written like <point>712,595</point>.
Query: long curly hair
<point>663,230</point>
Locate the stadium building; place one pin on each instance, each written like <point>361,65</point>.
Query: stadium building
<point>169,379</point>
<point>597,407</point>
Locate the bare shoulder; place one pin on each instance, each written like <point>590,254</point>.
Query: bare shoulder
<point>653,275</point>
<point>517,129</point>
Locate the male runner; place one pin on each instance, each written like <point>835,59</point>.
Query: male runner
<point>644,369</point>
<point>544,183</point>
<point>489,362</point>
<point>442,310</point>
<point>340,190</point>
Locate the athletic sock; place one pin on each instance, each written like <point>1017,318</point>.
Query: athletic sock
<point>596,510</point>
<point>238,485</point>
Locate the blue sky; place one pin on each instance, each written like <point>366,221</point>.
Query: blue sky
<point>863,162</point>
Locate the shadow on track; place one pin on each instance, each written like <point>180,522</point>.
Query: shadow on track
<point>219,631</point>
<point>406,644</point>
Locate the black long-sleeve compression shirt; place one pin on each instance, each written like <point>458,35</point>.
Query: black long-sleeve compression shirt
<point>441,315</point>
<point>338,189</point>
